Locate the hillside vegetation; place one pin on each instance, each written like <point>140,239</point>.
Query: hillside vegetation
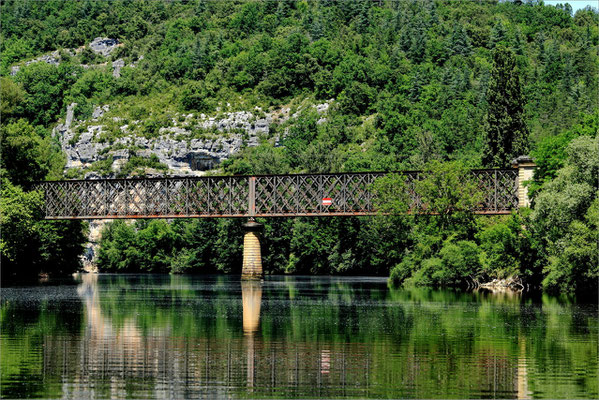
<point>435,85</point>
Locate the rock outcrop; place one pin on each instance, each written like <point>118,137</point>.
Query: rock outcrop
<point>52,59</point>
<point>191,145</point>
<point>116,67</point>
<point>103,46</point>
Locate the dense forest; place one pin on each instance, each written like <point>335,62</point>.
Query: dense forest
<point>432,85</point>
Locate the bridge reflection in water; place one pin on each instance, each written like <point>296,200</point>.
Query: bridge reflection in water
<point>120,354</point>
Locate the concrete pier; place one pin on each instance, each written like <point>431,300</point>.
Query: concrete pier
<point>526,168</point>
<point>252,255</point>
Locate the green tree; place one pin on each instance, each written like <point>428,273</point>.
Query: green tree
<point>11,98</point>
<point>28,154</point>
<point>499,34</point>
<point>356,98</point>
<point>195,96</point>
<point>550,152</point>
<point>459,41</point>
<point>506,135</point>
<point>448,195</point>
<point>118,250</point>
<point>442,236</point>
<point>29,245</point>
<point>565,220</point>
<point>45,86</point>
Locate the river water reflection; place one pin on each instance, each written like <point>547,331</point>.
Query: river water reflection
<point>117,336</point>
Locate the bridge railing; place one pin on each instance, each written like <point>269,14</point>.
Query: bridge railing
<point>250,196</point>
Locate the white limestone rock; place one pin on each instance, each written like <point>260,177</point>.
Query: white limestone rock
<point>99,111</point>
<point>116,67</point>
<point>175,146</point>
<point>103,46</point>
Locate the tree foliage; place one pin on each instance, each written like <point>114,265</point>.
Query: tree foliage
<point>506,133</point>
<point>30,245</point>
<point>565,220</point>
<point>414,85</point>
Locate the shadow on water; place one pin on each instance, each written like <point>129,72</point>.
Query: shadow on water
<point>115,336</point>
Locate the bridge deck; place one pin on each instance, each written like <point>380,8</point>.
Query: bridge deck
<point>339,194</point>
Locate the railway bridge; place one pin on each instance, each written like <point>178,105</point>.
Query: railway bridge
<point>292,195</point>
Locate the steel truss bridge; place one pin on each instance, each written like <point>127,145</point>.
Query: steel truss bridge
<point>341,194</point>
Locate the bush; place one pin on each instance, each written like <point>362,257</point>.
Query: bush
<point>456,264</point>
<point>182,262</point>
<point>460,263</point>
<point>87,56</point>
<point>136,165</point>
<point>402,271</point>
<point>196,97</point>
<point>423,276</point>
<point>500,246</point>
<point>356,99</point>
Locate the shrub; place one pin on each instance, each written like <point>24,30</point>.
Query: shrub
<point>356,99</point>
<point>402,271</point>
<point>500,246</point>
<point>460,263</point>
<point>182,262</point>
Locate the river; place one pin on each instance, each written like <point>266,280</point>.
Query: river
<point>161,336</point>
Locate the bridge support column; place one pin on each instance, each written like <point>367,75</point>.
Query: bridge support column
<point>252,256</point>
<point>526,168</point>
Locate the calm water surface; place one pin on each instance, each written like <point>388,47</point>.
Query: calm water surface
<point>109,336</point>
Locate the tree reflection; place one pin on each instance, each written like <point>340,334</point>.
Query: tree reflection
<point>173,336</point>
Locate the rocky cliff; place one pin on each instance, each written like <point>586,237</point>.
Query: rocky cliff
<point>187,145</point>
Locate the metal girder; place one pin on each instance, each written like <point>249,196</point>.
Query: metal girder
<point>251,196</point>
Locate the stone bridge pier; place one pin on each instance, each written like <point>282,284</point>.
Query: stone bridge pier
<point>526,169</point>
<point>252,255</point>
